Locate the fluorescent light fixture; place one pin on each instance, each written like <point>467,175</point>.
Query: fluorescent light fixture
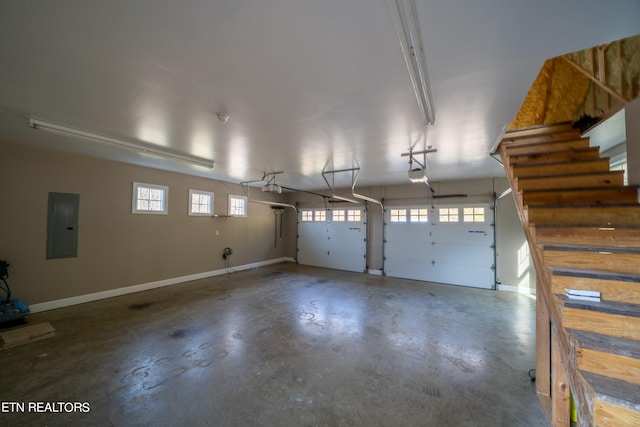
<point>405,21</point>
<point>125,145</point>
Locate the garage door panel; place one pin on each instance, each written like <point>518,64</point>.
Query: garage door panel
<point>411,250</point>
<point>407,232</point>
<point>333,244</point>
<point>315,259</point>
<point>340,261</point>
<point>456,253</point>
<point>463,234</point>
<point>463,275</point>
<point>408,269</point>
<point>463,255</point>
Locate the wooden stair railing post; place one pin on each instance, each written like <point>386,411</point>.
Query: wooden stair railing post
<point>560,406</point>
<point>543,346</point>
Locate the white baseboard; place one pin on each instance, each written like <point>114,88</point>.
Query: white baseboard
<point>375,272</point>
<point>80,299</point>
<point>508,288</point>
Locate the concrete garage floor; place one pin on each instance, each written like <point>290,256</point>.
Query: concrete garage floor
<point>284,345</point>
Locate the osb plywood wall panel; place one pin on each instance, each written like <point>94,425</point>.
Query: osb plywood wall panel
<point>555,96</point>
<point>562,93</point>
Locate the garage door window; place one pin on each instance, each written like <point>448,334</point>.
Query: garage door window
<point>418,215</point>
<point>398,215</point>
<point>448,214</point>
<point>338,215</point>
<point>353,215</point>
<point>313,215</point>
<point>475,214</point>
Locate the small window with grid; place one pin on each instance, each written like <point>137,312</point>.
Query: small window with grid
<point>338,215</point>
<point>200,203</point>
<point>418,215</point>
<point>473,214</point>
<point>306,216</point>
<point>320,216</point>
<point>150,199</point>
<point>398,215</point>
<point>353,215</point>
<point>237,205</point>
<point>448,215</point>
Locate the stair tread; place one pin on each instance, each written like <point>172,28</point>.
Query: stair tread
<point>559,163</point>
<point>607,343</point>
<point>588,151</point>
<point>587,204</point>
<point>631,188</point>
<point>566,174</point>
<point>598,196</point>
<point>617,392</point>
<point>621,236</point>
<point>514,135</point>
<point>596,274</point>
<point>598,179</point>
<point>549,138</point>
<point>583,248</point>
<point>604,306</point>
<point>614,215</point>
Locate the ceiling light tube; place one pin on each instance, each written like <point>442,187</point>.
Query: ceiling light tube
<point>126,145</point>
<point>405,21</point>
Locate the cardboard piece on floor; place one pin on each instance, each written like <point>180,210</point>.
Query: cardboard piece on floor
<point>25,334</point>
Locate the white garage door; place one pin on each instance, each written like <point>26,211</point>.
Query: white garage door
<point>333,238</point>
<point>451,244</point>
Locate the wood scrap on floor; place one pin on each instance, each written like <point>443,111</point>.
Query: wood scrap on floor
<point>25,334</point>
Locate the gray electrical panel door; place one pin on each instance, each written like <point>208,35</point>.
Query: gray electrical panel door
<point>62,225</point>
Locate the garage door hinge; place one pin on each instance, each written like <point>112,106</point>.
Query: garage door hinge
<point>493,267</point>
<point>493,246</point>
<point>433,262</point>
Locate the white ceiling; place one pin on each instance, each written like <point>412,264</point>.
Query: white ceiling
<point>307,84</point>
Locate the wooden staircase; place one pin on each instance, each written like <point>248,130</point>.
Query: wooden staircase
<point>583,229</point>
